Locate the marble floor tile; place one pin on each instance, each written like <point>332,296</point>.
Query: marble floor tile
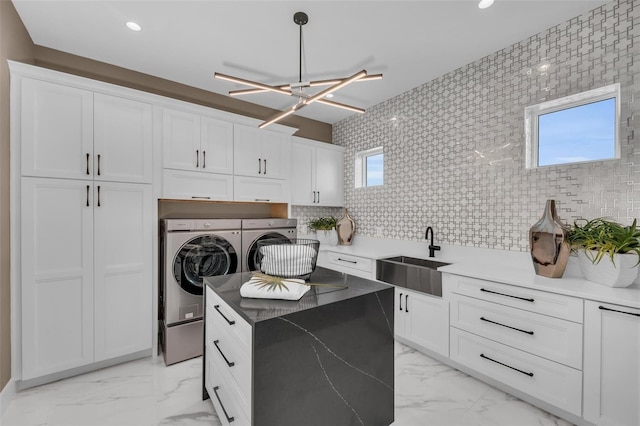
<point>147,393</point>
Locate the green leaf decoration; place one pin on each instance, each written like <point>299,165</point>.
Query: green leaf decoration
<point>272,283</point>
<point>603,237</point>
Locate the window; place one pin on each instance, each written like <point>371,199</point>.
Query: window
<point>574,129</point>
<point>369,167</point>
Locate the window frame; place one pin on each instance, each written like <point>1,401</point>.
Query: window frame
<point>361,166</point>
<point>532,114</point>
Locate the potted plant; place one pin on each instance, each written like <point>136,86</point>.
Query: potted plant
<point>325,228</point>
<point>608,252</point>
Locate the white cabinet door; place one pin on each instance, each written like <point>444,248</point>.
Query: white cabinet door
<point>123,259</point>
<point>122,140</point>
<point>57,275</point>
<point>427,321</point>
<point>276,154</point>
<point>56,130</point>
<point>247,154</point>
<point>257,189</point>
<point>303,174</point>
<point>329,177</point>
<point>400,316</point>
<point>181,140</point>
<point>178,184</point>
<point>216,146</point>
<point>611,364</point>
<point>261,153</point>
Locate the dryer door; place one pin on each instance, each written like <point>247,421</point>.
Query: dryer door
<point>253,264</point>
<point>203,256</point>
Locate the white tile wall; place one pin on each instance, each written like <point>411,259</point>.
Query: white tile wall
<point>454,155</point>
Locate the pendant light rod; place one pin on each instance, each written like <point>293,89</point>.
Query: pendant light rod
<point>300,18</point>
<point>316,83</point>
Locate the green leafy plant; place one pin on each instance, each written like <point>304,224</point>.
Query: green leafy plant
<point>323,223</point>
<point>603,237</point>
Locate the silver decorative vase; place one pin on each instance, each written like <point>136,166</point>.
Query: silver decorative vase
<point>346,228</point>
<point>549,248</point>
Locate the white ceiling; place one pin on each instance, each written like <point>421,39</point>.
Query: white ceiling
<point>411,42</point>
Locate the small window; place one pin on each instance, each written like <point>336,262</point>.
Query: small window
<point>369,167</point>
<point>574,129</point>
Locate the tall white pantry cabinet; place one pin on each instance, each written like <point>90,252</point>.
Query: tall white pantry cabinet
<point>85,233</point>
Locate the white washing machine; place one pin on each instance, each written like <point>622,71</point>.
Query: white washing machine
<point>191,250</point>
<point>254,230</point>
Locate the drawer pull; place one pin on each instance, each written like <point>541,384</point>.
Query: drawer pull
<point>508,295</point>
<point>507,326</point>
<point>620,312</point>
<point>406,302</point>
<point>215,390</point>
<point>230,364</point>
<point>345,260</point>
<point>217,307</point>
<point>400,301</point>
<point>508,366</point>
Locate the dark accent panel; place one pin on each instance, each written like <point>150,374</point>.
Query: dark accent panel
<point>332,365</point>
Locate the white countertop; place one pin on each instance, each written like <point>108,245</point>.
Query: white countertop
<point>504,266</point>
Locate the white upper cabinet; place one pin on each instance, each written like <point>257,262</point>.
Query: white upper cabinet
<point>261,153</point>
<point>56,130</point>
<point>317,173</point>
<point>196,143</point>
<point>73,133</point>
<point>123,139</point>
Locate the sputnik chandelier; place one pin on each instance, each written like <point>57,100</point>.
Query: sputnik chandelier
<point>297,89</point>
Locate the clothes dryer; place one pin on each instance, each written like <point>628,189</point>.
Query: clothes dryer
<point>254,230</point>
<point>192,249</point>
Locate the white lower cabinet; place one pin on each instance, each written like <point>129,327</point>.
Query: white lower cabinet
<point>422,320</point>
<point>86,272</point>
<point>611,364</point>
<point>228,345</point>
<point>187,185</point>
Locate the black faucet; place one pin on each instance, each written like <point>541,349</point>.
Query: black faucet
<point>432,248</point>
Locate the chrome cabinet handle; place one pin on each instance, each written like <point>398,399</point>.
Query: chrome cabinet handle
<point>217,308</point>
<point>508,366</point>
<point>507,326</point>
<point>508,295</point>
<point>215,390</point>
<point>87,195</point>
<point>98,164</point>
<point>88,163</point>
<point>98,195</point>
<point>620,312</point>
<point>197,158</point>
<point>259,166</point>
<point>400,298</point>
<point>230,364</point>
<point>265,166</point>
<point>204,159</point>
<point>406,303</point>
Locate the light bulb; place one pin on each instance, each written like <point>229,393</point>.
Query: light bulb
<point>485,4</point>
<point>133,26</point>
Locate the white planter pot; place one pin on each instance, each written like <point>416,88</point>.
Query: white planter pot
<point>327,238</point>
<point>620,274</point>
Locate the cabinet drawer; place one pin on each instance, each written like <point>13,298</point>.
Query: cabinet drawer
<point>219,314</point>
<point>350,261</point>
<point>227,354</point>
<point>546,380</point>
<point>552,338</point>
<point>228,401</point>
<point>541,302</point>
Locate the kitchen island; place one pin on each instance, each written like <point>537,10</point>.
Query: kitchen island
<point>326,359</point>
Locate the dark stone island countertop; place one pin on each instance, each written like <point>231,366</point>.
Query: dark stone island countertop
<point>256,310</point>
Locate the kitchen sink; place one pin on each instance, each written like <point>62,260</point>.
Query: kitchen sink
<point>412,273</point>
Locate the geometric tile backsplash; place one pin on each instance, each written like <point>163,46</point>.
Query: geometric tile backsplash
<point>454,146</point>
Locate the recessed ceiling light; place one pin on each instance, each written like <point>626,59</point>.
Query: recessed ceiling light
<point>485,4</point>
<point>330,95</point>
<point>133,26</point>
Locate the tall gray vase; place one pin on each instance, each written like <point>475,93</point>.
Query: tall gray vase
<point>549,248</point>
